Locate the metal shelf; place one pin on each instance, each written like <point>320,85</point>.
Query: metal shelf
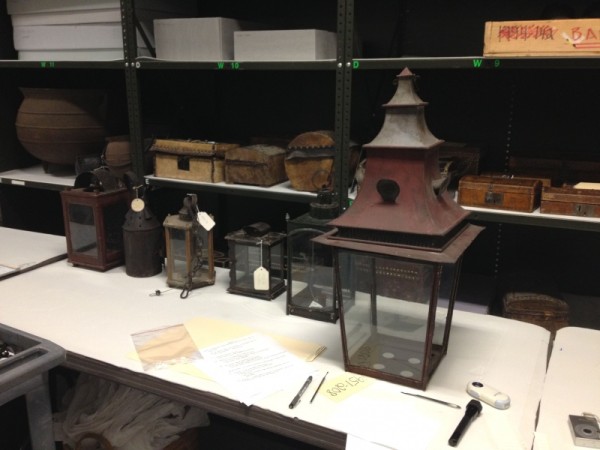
<point>476,62</point>
<point>157,64</point>
<point>534,218</point>
<point>281,191</point>
<point>48,65</point>
<point>35,177</point>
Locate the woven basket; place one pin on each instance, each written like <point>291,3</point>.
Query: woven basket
<point>539,309</point>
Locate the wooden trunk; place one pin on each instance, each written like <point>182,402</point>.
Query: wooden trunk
<point>190,160</point>
<point>571,202</point>
<point>499,193</point>
<point>258,165</point>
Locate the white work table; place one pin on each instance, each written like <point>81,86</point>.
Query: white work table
<point>21,250</point>
<point>572,387</point>
<point>93,314</point>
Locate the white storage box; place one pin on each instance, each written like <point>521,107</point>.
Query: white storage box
<point>284,45</point>
<point>187,7</point>
<point>195,39</point>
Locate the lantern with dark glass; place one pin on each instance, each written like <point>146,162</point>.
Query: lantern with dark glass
<point>398,248</point>
<point>256,256</point>
<point>93,213</point>
<point>189,244</point>
<point>310,264</point>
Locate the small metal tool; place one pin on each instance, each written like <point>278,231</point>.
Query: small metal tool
<point>451,405</point>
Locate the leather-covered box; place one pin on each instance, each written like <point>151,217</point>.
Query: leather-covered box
<point>258,165</point>
<point>191,160</point>
<point>309,160</point>
<point>499,193</point>
<point>570,201</point>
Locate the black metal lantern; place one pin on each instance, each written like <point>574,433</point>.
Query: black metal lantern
<point>398,248</point>
<point>310,264</point>
<point>142,240</point>
<point>189,244</point>
<point>93,213</point>
<point>256,257</point>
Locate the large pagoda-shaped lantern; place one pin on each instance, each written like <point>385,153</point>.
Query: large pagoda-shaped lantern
<point>398,249</point>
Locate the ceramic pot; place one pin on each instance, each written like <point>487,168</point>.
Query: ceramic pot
<point>58,125</point>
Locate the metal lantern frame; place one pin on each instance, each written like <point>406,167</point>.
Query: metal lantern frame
<point>252,248</point>
<point>93,222</point>
<point>189,249</point>
<point>398,248</point>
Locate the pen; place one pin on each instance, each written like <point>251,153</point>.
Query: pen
<point>451,405</point>
<point>318,387</point>
<point>296,399</point>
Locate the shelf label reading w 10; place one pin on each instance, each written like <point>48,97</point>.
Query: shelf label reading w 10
<point>231,65</point>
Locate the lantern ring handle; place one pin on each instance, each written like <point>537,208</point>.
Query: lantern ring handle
<point>185,292</point>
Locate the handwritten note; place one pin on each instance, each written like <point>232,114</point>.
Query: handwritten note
<point>344,385</point>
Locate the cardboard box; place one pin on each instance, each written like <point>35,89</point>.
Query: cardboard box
<point>195,39</point>
<point>569,37</point>
<point>187,7</point>
<point>284,45</point>
<point>190,160</point>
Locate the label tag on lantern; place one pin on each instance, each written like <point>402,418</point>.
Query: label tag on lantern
<point>205,220</point>
<point>261,279</point>
<point>137,205</point>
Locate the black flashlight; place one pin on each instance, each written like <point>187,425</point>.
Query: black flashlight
<point>472,411</point>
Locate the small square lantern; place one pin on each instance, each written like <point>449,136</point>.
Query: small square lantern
<point>310,264</point>
<point>256,257</point>
<point>189,247</point>
<point>93,220</point>
<point>398,248</point>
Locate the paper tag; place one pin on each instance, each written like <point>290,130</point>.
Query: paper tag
<point>261,279</point>
<point>137,205</point>
<point>342,387</point>
<point>205,220</point>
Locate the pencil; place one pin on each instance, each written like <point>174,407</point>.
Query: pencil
<point>318,387</point>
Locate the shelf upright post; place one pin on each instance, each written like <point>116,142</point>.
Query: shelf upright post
<point>131,82</point>
<point>345,26</point>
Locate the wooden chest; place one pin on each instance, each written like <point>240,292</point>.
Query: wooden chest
<point>570,201</point>
<point>258,165</point>
<point>499,193</point>
<point>190,160</point>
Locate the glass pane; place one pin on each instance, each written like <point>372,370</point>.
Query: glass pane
<point>178,255</point>
<point>114,216</point>
<point>82,230</point>
<point>311,276</point>
<point>246,262</point>
<point>386,322</point>
<point>277,269</point>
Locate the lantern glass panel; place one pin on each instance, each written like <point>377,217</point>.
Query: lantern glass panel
<point>311,271</point>
<point>82,228</point>
<point>178,253</point>
<point>386,328</point>
<point>113,215</point>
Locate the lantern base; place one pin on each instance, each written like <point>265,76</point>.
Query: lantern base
<point>399,361</point>
<point>245,286</point>
<point>308,303</point>
<point>207,280</point>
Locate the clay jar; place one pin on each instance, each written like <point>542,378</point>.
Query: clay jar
<point>58,125</point>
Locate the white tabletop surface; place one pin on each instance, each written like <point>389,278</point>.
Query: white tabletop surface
<point>572,386</point>
<point>22,250</point>
<point>94,314</point>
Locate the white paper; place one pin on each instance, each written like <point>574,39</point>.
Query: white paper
<point>252,367</point>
